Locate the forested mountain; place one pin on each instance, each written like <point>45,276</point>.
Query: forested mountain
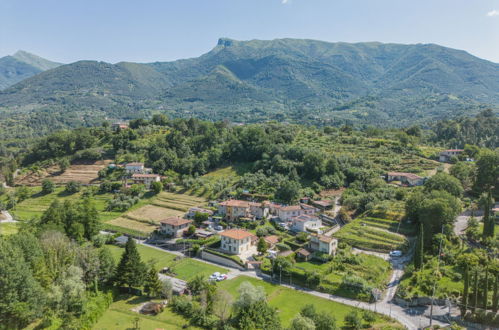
<point>292,80</point>
<point>20,66</point>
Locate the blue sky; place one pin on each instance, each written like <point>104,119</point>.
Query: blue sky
<point>161,30</point>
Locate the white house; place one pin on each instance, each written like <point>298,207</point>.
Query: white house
<point>410,179</point>
<point>236,241</point>
<point>234,209</point>
<point>286,213</point>
<point>323,244</point>
<point>304,223</point>
<point>174,226</point>
<point>446,155</point>
<point>145,179</point>
<point>259,210</point>
<point>132,168</point>
<point>193,210</point>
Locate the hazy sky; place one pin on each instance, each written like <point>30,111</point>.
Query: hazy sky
<point>145,31</point>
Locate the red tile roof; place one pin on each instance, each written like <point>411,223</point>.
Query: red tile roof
<point>175,221</point>
<point>236,234</point>
<point>303,252</point>
<point>235,203</point>
<point>272,239</point>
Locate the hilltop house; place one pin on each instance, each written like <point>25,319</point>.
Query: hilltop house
<point>304,223</point>
<point>145,179</point>
<point>286,213</point>
<point>410,179</point>
<point>446,155</point>
<point>236,241</point>
<point>323,244</point>
<point>174,226</point>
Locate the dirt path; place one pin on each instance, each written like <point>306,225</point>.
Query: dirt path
<point>461,222</point>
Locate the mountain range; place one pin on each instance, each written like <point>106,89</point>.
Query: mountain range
<point>293,80</point>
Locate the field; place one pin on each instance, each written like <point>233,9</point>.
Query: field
<point>143,220</point>
<point>121,316</point>
<point>8,228</point>
<point>84,172</point>
<point>289,302</point>
<point>185,268</point>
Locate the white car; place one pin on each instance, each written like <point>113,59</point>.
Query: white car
<point>221,277</point>
<point>395,253</point>
<point>214,276</point>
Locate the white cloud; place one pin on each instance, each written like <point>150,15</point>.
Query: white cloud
<point>491,13</point>
<point>284,2</point>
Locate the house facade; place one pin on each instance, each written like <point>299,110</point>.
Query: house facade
<point>304,223</point>
<point>446,155</point>
<point>410,179</point>
<point>259,210</point>
<point>174,226</point>
<point>132,168</point>
<point>323,244</point>
<point>145,179</point>
<point>234,209</point>
<point>236,241</point>
<point>286,213</point>
<point>193,210</point>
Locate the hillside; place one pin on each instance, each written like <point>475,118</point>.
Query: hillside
<point>302,81</point>
<point>20,66</point>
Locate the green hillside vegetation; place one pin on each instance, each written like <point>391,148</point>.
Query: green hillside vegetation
<point>301,81</point>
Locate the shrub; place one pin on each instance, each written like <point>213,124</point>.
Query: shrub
<point>72,187</point>
<point>48,187</point>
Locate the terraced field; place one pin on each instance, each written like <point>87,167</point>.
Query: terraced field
<point>369,238</point>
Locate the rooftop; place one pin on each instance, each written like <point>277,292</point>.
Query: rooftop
<point>236,203</point>
<point>134,164</point>
<point>272,239</point>
<point>305,217</point>
<point>236,234</point>
<point>138,175</point>
<point>407,175</point>
<point>175,221</point>
<point>323,203</point>
<point>303,252</point>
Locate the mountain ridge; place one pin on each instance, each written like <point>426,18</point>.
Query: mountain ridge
<point>298,80</point>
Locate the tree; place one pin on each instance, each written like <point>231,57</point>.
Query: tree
<point>22,193</point>
<point>72,187</point>
<point>252,310</point>
<point>152,284</point>
<point>486,202</point>
<point>353,321</point>
<point>419,252</point>
<point>445,182</point>
<point>48,187</point>
<point>89,218</point>
<point>191,230</point>
<point>288,192</point>
<point>475,291</point>
<point>107,265</point>
<point>369,317</point>
<point>487,172</point>
<point>262,245</point>
<point>302,323</point>
<point>464,172</point>
<point>222,306</point>
<point>166,288</point>
<point>131,270</point>
<point>157,187</point>
<point>63,164</point>
<point>464,302</point>
<point>200,217</point>
<point>495,294</point>
<point>486,289</point>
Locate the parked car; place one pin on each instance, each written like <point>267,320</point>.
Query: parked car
<point>214,276</point>
<point>395,253</point>
<point>222,277</point>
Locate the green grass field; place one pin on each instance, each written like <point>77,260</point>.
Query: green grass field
<point>121,316</point>
<point>289,302</point>
<point>185,268</point>
<point>8,228</point>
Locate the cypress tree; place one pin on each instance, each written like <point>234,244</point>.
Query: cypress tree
<point>131,269</point>
<point>418,257</point>
<point>152,284</point>
<point>464,304</point>
<point>475,293</point>
<point>488,221</point>
<point>495,296</point>
<point>486,289</point>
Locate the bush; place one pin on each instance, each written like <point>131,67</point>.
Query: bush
<point>283,247</point>
<point>72,187</point>
<point>48,187</point>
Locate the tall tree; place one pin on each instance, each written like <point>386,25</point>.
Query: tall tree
<point>475,291</point>
<point>495,295</point>
<point>486,289</point>
<point>418,256</point>
<point>152,284</point>
<point>131,270</point>
<point>464,303</point>
<point>488,221</point>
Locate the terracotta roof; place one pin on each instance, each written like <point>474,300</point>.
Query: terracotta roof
<point>235,203</point>
<point>134,164</point>
<point>326,239</point>
<point>305,217</point>
<point>291,208</point>
<point>139,175</point>
<point>236,234</point>
<point>309,207</point>
<point>303,252</point>
<point>273,239</point>
<point>175,221</point>
<point>323,203</point>
<point>407,175</point>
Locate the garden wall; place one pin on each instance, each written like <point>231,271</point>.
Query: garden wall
<point>220,260</point>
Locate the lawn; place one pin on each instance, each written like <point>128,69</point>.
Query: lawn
<point>289,302</point>
<point>186,268</point>
<point>121,316</point>
<point>8,228</point>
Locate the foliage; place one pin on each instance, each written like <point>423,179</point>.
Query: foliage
<point>47,186</point>
<point>131,270</point>
<point>72,187</point>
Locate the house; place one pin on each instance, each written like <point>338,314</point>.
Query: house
<point>259,210</point>
<point>271,240</point>
<point>323,244</point>
<point>446,155</point>
<point>303,254</point>
<point>236,241</point>
<point>174,226</point>
<point>119,126</point>
<point>304,223</point>
<point>145,179</point>
<point>410,179</point>
<point>286,213</point>
<point>323,204</point>
<point>132,168</point>
<point>234,209</point>
<point>193,210</point>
